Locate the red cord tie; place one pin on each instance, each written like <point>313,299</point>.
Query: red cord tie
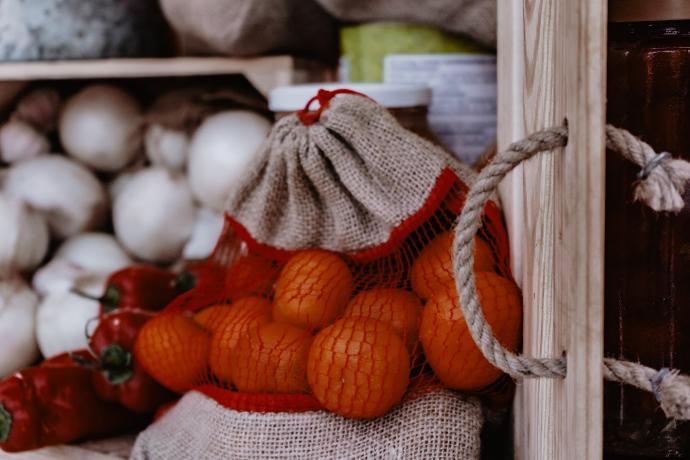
<point>323,97</point>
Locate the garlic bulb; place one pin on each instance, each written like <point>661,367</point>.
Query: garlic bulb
<point>23,236</point>
<point>20,141</point>
<point>62,317</point>
<point>17,323</point>
<point>40,108</point>
<point>97,252</point>
<point>84,254</point>
<point>101,127</point>
<point>68,195</point>
<point>154,215</point>
<point>207,228</point>
<point>167,148</point>
<point>220,152</point>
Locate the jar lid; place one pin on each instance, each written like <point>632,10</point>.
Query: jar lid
<point>648,10</point>
<point>391,96</point>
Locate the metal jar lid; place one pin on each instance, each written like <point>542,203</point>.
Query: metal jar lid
<point>648,10</point>
<point>389,95</point>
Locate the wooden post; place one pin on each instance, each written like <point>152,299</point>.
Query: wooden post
<point>551,67</point>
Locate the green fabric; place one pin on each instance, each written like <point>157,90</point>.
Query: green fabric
<point>366,45</point>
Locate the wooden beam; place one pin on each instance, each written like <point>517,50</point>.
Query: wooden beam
<point>551,67</point>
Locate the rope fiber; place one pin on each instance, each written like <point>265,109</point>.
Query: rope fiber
<point>660,186</point>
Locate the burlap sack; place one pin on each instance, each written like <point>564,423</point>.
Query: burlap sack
<point>476,18</point>
<point>250,27</point>
<point>344,182</point>
<point>439,425</point>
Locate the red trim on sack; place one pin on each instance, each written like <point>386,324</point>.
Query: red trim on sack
<point>323,97</point>
<point>298,402</point>
<point>444,183</point>
<point>265,250</point>
<point>260,402</point>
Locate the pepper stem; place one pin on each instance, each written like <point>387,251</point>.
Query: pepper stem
<point>83,294</point>
<point>5,424</point>
<point>110,300</point>
<point>116,364</point>
<point>184,282</point>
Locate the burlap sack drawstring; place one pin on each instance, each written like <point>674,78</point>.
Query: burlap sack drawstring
<point>660,186</point>
<point>323,97</point>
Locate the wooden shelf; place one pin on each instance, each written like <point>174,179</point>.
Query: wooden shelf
<point>264,72</point>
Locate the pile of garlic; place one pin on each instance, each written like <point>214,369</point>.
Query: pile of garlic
<point>162,190</point>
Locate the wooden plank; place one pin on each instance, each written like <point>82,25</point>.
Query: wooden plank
<point>264,72</point>
<point>551,66</point>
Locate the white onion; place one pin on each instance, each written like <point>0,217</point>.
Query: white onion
<point>154,215</point>
<point>68,195</point>
<point>58,275</point>
<point>62,317</point>
<point>17,323</point>
<point>101,127</point>
<point>220,152</point>
<point>166,147</point>
<point>23,236</point>
<point>207,229</point>
<point>20,141</point>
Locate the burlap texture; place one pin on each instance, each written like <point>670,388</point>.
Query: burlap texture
<point>439,425</point>
<point>250,27</point>
<point>343,183</point>
<point>476,18</point>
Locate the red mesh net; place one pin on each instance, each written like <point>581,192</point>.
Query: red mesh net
<point>270,330</point>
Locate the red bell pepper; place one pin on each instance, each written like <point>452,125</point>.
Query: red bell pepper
<point>141,287</point>
<point>55,403</point>
<point>120,378</point>
<point>248,275</point>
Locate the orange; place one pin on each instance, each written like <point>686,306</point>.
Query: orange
<point>358,367</point>
<point>210,317</point>
<point>396,307</point>
<point>433,269</point>
<point>243,315</point>
<point>173,348</point>
<point>312,290</point>
<point>250,275</point>
<point>447,342</point>
<point>272,359</point>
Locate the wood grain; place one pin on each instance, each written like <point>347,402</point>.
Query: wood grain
<point>551,67</point>
<point>264,72</point>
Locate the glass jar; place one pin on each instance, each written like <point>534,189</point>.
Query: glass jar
<point>647,254</point>
<point>408,103</point>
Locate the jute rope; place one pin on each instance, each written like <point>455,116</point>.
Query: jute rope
<point>660,186</point>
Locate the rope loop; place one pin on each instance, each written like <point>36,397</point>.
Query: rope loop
<point>662,182</point>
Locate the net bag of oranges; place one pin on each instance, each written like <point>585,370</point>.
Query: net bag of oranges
<point>326,322</point>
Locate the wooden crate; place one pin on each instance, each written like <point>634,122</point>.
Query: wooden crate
<point>264,73</point>
<point>551,67</point>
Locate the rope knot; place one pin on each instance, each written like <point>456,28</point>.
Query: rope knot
<point>662,179</point>
<point>672,390</point>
